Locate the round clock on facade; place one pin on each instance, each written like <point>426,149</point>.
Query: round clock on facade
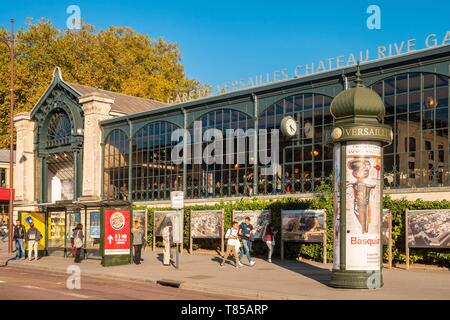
<point>289,127</point>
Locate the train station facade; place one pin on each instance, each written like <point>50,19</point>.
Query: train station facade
<point>81,145</point>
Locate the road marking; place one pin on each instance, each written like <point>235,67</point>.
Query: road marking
<point>32,287</point>
<point>76,295</point>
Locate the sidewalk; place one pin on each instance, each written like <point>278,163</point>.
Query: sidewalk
<point>4,255</point>
<point>279,280</point>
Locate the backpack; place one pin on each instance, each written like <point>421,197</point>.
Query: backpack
<point>77,241</point>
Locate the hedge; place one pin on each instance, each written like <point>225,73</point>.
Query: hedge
<point>313,250</point>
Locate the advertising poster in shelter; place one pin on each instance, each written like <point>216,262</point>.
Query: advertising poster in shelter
<point>206,224</point>
<point>259,219</point>
<point>363,206</point>
<point>94,227</point>
<point>429,228</point>
<point>73,218</point>
<point>303,225</point>
<point>117,232</point>
<point>56,224</point>
<point>336,205</point>
<point>38,219</point>
<point>386,227</point>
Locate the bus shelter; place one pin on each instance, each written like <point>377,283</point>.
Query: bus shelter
<point>63,216</point>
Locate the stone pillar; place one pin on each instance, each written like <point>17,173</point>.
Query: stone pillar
<point>96,107</point>
<point>24,179</point>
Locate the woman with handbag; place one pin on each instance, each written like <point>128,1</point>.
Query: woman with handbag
<point>77,242</point>
<point>269,239</point>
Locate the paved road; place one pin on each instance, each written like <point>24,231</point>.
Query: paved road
<point>18,283</point>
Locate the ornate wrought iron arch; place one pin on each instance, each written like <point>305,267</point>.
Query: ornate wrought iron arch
<point>59,122</point>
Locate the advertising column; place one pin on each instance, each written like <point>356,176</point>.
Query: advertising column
<point>359,136</point>
<point>116,240</point>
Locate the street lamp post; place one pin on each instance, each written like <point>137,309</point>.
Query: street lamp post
<point>10,44</point>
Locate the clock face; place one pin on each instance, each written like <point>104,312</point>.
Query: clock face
<point>289,126</point>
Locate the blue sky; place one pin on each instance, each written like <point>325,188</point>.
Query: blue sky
<point>224,41</point>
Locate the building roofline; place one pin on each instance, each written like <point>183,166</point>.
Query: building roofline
<point>428,53</point>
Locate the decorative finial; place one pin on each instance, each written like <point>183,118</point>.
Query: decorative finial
<point>57,74</point>
<point>358,80</point>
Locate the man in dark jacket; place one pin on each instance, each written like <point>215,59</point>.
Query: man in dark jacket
<point>19,238</point>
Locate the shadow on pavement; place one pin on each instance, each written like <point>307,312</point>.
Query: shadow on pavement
<point>218,260</point>
<point>319,274</point>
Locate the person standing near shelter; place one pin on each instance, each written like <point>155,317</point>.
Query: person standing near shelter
<point>269,238</point>
<point>244,233</point>
<point>77,241</point>
<point>166,240</point>
<point>19,238</point>
<point>232,238</point>
<point>33,237</point>
<point>138,241</point>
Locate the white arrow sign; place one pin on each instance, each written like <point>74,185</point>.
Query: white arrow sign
<point>110,238</point>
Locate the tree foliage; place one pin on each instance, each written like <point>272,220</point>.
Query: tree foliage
<point>116,59</point>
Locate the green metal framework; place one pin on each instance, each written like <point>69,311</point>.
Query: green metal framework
<point>257,102</point>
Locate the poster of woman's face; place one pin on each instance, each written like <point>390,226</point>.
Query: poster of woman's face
<point>67,190</point>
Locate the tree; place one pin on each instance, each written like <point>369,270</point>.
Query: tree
<point>116,59</point>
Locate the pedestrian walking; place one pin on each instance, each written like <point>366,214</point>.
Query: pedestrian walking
<point>245,238</point>
<point>251,238</point>
<point>232,237</point>
<point>77,242</point>
<point>166,233</point>
<point>19,238</point>
<point>138,241</point>
<point>33,237</point>
<point>269,238</point>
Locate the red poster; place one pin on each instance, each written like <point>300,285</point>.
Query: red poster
<point>117,232</point>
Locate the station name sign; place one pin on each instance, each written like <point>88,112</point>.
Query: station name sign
<point>376,132</point>
<point>390,50</point>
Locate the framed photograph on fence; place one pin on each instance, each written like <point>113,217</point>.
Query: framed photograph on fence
<point>306,226</point>
<point>160,221</point>
<point>206,224</point>
<point>259,219</point>
<point>427,229</point>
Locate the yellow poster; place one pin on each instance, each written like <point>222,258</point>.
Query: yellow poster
<point>38,219</point>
